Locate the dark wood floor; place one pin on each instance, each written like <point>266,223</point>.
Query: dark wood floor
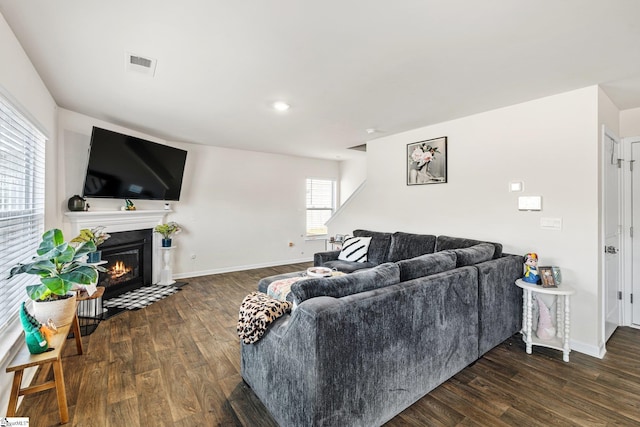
<point>176,363</point>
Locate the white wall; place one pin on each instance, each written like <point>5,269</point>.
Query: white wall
<point>239,209</point>
<point>20,82</point>
<point>550,144</point>
<point>630,122</point>
<point>353,172</point>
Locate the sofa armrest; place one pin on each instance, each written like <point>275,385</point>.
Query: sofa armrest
<point>320,258</point>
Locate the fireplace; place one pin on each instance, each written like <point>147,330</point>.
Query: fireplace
<point>128,256</point>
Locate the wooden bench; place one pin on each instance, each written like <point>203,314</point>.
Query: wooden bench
<point>24,360</point>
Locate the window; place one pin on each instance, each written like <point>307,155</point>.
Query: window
<point>21,203</point>
<point>321,202</point>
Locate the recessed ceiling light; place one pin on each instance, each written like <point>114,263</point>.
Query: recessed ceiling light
<point>281,106</point>
<point>371,130</point>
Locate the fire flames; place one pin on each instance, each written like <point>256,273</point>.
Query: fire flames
<point>118,270</point>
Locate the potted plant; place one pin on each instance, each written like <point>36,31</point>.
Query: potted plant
<point>96,235</point>
<point>167,230</point>
<point>60,267</point>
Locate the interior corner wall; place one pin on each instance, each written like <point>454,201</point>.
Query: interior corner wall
<point>239,209</point>
<point>550,144</point>
<point>21,84</point>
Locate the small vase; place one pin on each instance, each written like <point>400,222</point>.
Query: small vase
<point>166,243</point>
<point>94,257</point>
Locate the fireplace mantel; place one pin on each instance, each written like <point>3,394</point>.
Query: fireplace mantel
<point>115,221</point>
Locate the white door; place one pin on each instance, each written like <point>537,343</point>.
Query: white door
<point>635,218</point>
<point>612,185</point>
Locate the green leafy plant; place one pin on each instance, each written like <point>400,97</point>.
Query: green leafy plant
<point>168,229</point>
<point>96,235</point>
<point>59,265</point>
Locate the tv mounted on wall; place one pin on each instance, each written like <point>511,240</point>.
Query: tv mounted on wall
<point>124,167</point>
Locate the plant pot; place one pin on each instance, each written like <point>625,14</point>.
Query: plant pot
<point>94,257</point>
<point>166,243</point>
<point>60,311</point>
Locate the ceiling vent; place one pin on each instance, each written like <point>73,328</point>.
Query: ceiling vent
<point>140,64</point>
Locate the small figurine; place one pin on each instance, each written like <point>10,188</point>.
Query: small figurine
<point>531,268</point>
<point>34,336</point>
<point>129,205</point>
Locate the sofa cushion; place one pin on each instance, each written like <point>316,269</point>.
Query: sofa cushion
<point>474,254</point>
<point>348,266</point>
<point>355,249</point>
<point>379,247</point>
<point>426,265</point>
<point>409,245</point>
<point>340,286</point>
<point>444,243</point>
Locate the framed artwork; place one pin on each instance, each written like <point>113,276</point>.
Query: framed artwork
<point>546,277</point>
<point>427,162</point>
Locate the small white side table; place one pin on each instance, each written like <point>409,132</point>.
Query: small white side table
<point>563,311</point>
<point>166,275</point>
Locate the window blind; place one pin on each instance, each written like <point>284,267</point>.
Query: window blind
<point>22,168</point>
<point>320,205</point>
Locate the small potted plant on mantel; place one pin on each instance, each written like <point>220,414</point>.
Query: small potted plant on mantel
<point>61,268</point>
<point>96,235</point>
<point>167,230</point>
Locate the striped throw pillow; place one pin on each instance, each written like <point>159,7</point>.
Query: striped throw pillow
<point>355,249</point>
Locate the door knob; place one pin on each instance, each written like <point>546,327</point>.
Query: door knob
<point>610,250</point>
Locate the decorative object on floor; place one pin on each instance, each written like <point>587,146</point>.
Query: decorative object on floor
<point>35,338</point>
<point>167,230</point>
<point>129,206</point>
<point>257,312</point>
<point>545,329</point>
<point>546,277</point>
<point>531,268</point>
<point>76,203</point>
<point>60,267</point>
<point>97,235</point>
<point>140,297</point>
<point>427,162</point>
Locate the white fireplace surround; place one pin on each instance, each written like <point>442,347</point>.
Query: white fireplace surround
<point>115,221</point>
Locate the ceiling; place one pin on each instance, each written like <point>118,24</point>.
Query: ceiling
<point>345,66</point>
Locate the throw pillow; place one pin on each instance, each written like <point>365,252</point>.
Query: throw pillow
<point>355,249</point>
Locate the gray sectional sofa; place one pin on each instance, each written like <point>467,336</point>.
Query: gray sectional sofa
<point>358,349</point>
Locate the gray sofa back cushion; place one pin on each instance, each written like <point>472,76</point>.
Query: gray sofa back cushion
<point>444,243</point>
<point>379,246</point>
<point>474,254</point>
<point>426,265</point>
<point>340,286</point>
<point>409,245</point>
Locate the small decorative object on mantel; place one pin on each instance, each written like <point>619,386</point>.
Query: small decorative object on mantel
<point>531,268</point>
<point>96,235</point>
<point>60,267</point>
<point>427,162</point>
<point>129,206</point>
<point>76,204</point>
<point>167,230</point>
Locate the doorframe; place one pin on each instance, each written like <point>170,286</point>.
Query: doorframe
<point>627,222</point>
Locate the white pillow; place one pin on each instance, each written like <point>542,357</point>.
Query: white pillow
<point>355,249</point>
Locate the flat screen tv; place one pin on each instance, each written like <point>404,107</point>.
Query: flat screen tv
<point>124,167</point>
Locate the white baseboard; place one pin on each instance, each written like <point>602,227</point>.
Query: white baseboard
<point>590,350</point>
<point>239,268</point>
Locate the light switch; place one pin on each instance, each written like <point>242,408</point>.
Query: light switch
<point>551,223</point>
<point>530,203</point>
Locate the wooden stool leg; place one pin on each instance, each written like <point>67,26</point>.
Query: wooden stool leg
<point>15,393</point>
<point>75,325</point>
<point>61,391</point>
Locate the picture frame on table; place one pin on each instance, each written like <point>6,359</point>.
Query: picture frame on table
<point>547,278</point>
<point>427,162</point>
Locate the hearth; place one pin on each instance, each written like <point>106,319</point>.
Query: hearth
<point>128,256</point>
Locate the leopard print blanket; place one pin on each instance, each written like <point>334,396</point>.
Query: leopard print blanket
<point>257,312</point>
